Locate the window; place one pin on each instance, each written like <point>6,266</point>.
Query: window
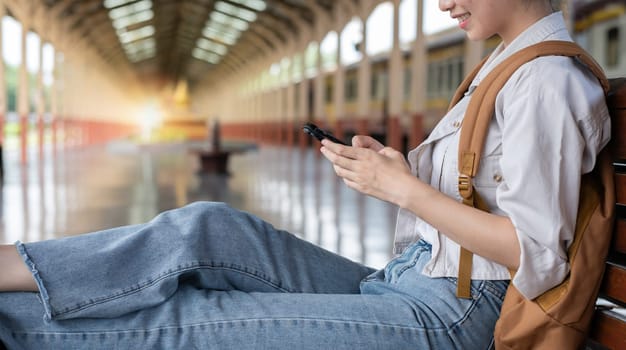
<point>451,76</point>
<point>441,78</point>
<point>431,87</point>
<point>384,86</point>
<point>328,49</point>
<point>408,21</point>
<point>380,29</point>
<point>407,83</point>
<point>351,36</point>
<point>612,47</point>
<point>329,92</point>
<point>460,67</point>
<point>374,85</point>
<point>351,89</point>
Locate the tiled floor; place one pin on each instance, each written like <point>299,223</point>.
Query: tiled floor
<point>82,190</point>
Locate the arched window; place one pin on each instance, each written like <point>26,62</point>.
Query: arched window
<point>32,51</point>
<point>273,78</point>
<point>48,64</point>
<point>12,55</point>
<point>310,59</point>
<point>33,42</point>
<point>48,73</point>
<point>285,66</point>
<point>11,40</point>
<point>351,37</point>
<point>380,29</point>
<point>408,21</point>
<point>328,47</point>
<point>297,67</point>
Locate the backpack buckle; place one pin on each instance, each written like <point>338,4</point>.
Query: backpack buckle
<point>465,186</point>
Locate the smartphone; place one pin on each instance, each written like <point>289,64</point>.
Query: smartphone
<point>320,134</point>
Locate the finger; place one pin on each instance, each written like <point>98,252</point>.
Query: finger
<point>338,160</point>
<point>341,150</point>
<point>366,142</point>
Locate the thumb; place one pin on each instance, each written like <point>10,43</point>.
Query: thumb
<point>389,152</point>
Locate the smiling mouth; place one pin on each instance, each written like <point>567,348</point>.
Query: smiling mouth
<point>463,20</point>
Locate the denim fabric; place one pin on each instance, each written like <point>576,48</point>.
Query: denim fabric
<point>207,276</point>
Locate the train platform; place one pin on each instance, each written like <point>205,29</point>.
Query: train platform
<point>75,191</point>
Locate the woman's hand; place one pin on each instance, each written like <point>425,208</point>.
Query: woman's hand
<point>370,168</point>
<point>382,172</point>
<point>362,141</point>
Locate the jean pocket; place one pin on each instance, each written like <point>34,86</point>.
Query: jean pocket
<point>496,288</point>
<point>416,254</point>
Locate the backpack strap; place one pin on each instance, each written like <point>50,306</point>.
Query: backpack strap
<point>478,116</point>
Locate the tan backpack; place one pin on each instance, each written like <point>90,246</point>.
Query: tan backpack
<point>560,317</point>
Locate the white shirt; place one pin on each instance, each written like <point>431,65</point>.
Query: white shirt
<point>550,122</point>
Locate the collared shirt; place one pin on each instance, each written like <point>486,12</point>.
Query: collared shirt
<point>550,122</point>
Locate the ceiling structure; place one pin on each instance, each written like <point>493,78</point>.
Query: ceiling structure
<point>185,39</point>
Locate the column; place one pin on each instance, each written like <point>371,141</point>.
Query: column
<point>22,97</point>
<point>318,105</point>
<point>3,94</point>
<point>279,115</point>
<point>419,79</point>
<point>339,92</point>
<point>40,107</point>
<point>304,100</point>
<point>364,84</point>
<point>291,96</point>
<point>56,100</point>
<point>258,111</point>
<point>395,95</point>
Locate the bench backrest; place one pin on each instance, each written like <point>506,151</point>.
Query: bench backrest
<point>608,328</point>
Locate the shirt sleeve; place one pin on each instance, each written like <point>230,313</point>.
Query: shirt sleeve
<point>554,122</point>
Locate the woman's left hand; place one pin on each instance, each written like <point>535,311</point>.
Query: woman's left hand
<point>378,174</point>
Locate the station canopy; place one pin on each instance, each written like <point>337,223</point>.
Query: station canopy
<point>186,39</point>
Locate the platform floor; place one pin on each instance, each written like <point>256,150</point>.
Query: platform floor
<point>74,191</point>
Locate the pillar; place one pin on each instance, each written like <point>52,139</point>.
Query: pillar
<point>395,95</point>
<point>339,92</point>
<point>364,84</point>
<point>419,76</point>
<point>40,102</point>
<point>22,98</point>
<point>3,94</point>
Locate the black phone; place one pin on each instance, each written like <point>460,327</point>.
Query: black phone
<point>320,134</point>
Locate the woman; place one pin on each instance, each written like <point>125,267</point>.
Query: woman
<point>208,276</point>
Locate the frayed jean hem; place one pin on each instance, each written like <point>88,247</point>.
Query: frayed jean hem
<point>43,292</point>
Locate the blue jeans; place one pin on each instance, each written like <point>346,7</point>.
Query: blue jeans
<point>207,276</point>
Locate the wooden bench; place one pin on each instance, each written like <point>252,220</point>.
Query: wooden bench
<point>608,328</point>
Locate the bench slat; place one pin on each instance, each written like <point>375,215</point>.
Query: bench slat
<point>609,330</point>
<point>614,284</point>
<point>619,237</point>
<point>620,188</point>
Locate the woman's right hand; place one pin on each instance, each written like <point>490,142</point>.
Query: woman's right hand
<point>364,141</point>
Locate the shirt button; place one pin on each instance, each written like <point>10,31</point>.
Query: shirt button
<point>497,178</point>
<point>456,124</point>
